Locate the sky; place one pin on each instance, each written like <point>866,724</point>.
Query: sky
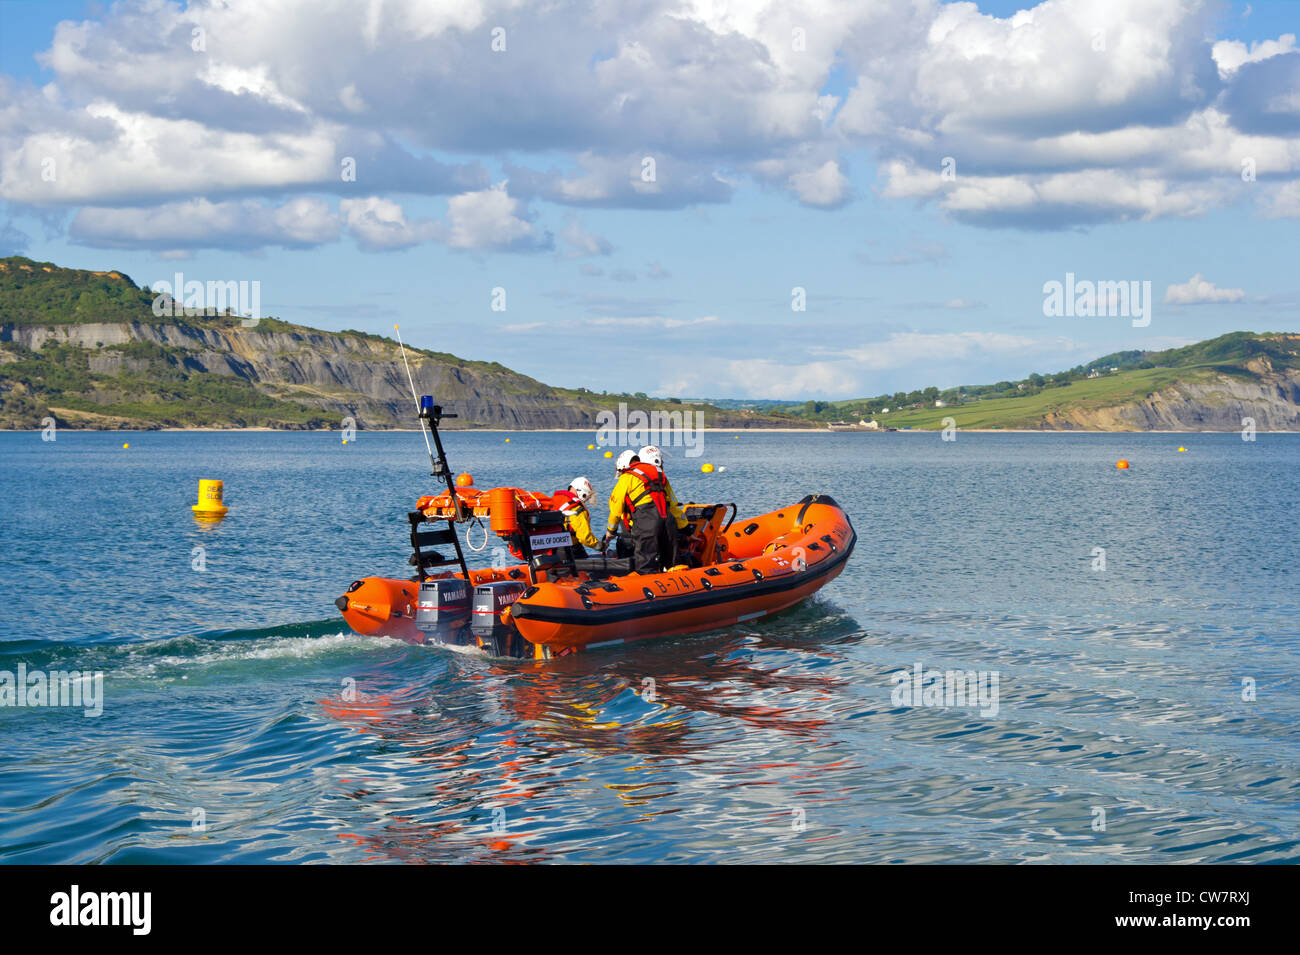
<point>640,196</point>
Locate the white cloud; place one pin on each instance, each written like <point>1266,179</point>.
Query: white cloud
<point>1230,55</point>
<point>858,371</point>
<point>639,181</point>
<point>1283,202</point>
<point>1199,291</point>
<point>491,220</point>
<point>1067,113</point>
<point>582,243</point>
<point>825,186</point>
<point>200,224</point>
<point>618,325</point>
<point>379,224</point>
<point>774,379</point>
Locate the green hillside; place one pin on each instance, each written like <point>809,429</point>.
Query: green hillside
<point>1112,381</point>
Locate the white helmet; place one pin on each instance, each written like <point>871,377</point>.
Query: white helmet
<point>651,455</point>
<point>581,489</point>
<point>625,460</point>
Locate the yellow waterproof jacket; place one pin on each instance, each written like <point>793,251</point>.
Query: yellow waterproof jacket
<point>628,483</point>
<point>674,507</point>
<point>579,524</point>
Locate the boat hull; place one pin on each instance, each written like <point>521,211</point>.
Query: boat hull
<point>770,563</point>
<point>813,542</point>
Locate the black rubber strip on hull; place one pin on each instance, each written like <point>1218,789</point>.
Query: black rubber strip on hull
<point>692,601</point>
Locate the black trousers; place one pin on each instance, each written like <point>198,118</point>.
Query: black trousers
<point>653,541</point>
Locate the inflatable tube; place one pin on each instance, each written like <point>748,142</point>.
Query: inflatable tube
<point>761,566</point>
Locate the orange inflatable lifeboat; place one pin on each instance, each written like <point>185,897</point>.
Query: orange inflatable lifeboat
<point>742,571</point>
<point>557,600</point>
<point>763,565</point>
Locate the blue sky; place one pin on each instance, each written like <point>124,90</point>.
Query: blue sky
<point>776,168</point>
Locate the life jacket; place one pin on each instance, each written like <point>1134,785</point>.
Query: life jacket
<point>568,503</point>
<point>653,486</point>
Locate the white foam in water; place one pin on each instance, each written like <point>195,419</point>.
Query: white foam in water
<point>268,648</point>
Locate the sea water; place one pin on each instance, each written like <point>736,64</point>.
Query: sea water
<point>1138,631</point>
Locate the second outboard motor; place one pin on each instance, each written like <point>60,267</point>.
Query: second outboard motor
<point>442,609</point>
<point>490,599</point>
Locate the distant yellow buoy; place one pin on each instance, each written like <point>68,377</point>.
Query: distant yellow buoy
<point>591,447</point>
<point>507,440</point>
<point>127,445</point>
<point>1122,464</point>
<point>210,507</point>
<point>1181,448</point>
<point>465,480</point>
<point>706,468</point>
<point>609,454</point>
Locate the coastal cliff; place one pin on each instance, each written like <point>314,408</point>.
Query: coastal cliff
<point>87,349</point>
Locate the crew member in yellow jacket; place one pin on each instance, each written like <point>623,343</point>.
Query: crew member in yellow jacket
<point>654,457</point>
<point>577,519</point>
<point>640,502</point>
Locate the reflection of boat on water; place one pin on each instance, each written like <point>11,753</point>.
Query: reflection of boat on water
<point>505,733</point>
<point>556,602</point>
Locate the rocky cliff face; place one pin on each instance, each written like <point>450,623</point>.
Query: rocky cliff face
<point>1218,404</point>
<point>343,375</point>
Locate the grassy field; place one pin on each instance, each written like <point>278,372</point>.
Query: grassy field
<point>1108,391</point>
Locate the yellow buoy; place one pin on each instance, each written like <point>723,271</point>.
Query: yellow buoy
<point>591,447</point>
<point>210,506</point>
<point>127,445</point>
<point>1181,448</point>
<point>507,440</point>
<point>706,468</point>
<point>1122,464</point>
<point>609,454</point>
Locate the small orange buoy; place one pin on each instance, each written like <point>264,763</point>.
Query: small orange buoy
<point>465,480</point>
<point>1122,464</point>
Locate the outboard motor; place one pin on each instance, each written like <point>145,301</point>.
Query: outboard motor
<point>501,639</point>
<point>442,609</point>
